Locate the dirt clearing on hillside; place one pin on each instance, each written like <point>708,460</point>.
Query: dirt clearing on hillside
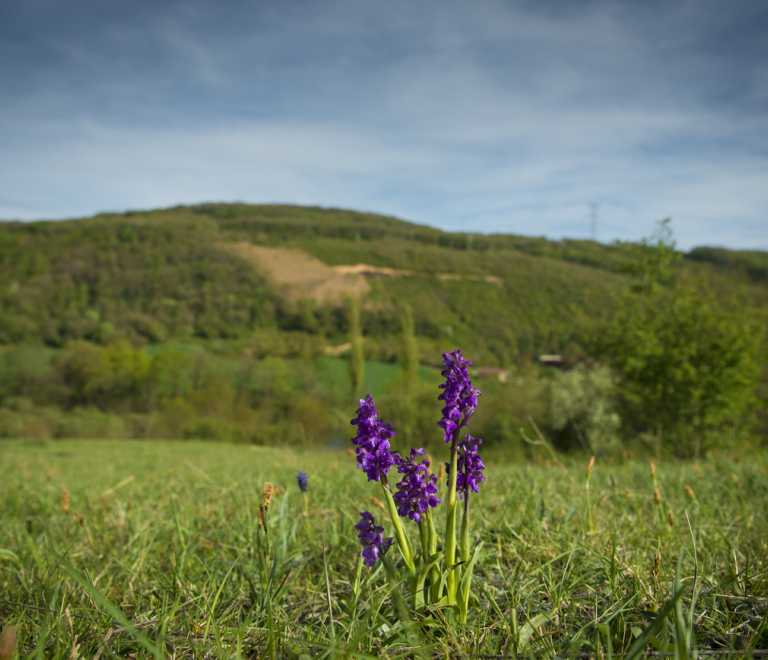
<point>300,274</point>
<point>303,276</point>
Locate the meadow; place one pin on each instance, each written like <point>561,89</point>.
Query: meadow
<point>241,335</point>
<point>139,549</point>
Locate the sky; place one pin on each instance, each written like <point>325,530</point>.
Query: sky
<point>485,116</point>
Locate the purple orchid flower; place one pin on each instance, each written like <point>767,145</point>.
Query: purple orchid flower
<point>459,395</point>
<point>470,466</point>
<point>417,490</point>
<point>370,536</point>
<point>372,440</point>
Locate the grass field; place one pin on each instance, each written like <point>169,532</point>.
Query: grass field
<point>157,556</point>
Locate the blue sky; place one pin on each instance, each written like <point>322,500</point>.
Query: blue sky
<point>476,116</point>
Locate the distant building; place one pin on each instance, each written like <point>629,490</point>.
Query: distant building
<point>501,374</point>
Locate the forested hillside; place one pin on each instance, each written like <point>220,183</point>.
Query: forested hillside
<point>159,275</point>
<point>232,321</point>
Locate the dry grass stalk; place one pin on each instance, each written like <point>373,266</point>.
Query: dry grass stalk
<point>266,499</point>
<point>655,572</point>
<point>690,492</point>
<point>590,467</point>
<point>107,637</point>
<point>441,473</point>
<point>65,501</point>
<point>671,518</point>
<point>72,635</point>
<point>262,518</point>
<point>657,496</point>
<point>378,504</point>
<point>266,495</point>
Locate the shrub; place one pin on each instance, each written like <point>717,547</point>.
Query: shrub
<point>91,423</point>
<point>582,408</point>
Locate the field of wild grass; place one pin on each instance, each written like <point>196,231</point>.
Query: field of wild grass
<point>149,549</point>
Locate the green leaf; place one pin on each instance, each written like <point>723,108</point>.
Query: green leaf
<point>9,554</point>
<point>433,560</point>
<point>526,632</point>
<point>463,599</point>
<point>444,575</point>
<point>636,650</point>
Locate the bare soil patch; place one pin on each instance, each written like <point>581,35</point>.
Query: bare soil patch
<point>367,269</point>
<point>303,276</point>
<point>300,275</point>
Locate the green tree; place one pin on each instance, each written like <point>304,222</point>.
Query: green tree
<point>651,260</point>
<point>356,355</point>
<point>84,369</point>
<point>169,372</point>
<point>314,421</point>
<point>410,348</point>
<point>689,365</point>
<point>130,370</point>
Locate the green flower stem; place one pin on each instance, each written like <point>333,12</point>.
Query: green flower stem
<point>432,533</point>
<point>434,574</point>
<point>358,574</point>
<point>423,534</point>
<point>464,535</point>
<point>266,532</point>
<point>590,519</point>
<point>421,596</point>
<point>463,599</point>
<point>402,539</point>
<point>306,515</point>
<point>450,525</point>
<point>356,585</point>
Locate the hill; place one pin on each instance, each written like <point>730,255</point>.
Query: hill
<point>232,322</point>
<point>179,274</point>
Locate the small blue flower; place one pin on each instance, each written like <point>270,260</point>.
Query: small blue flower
<point>302,480</point>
